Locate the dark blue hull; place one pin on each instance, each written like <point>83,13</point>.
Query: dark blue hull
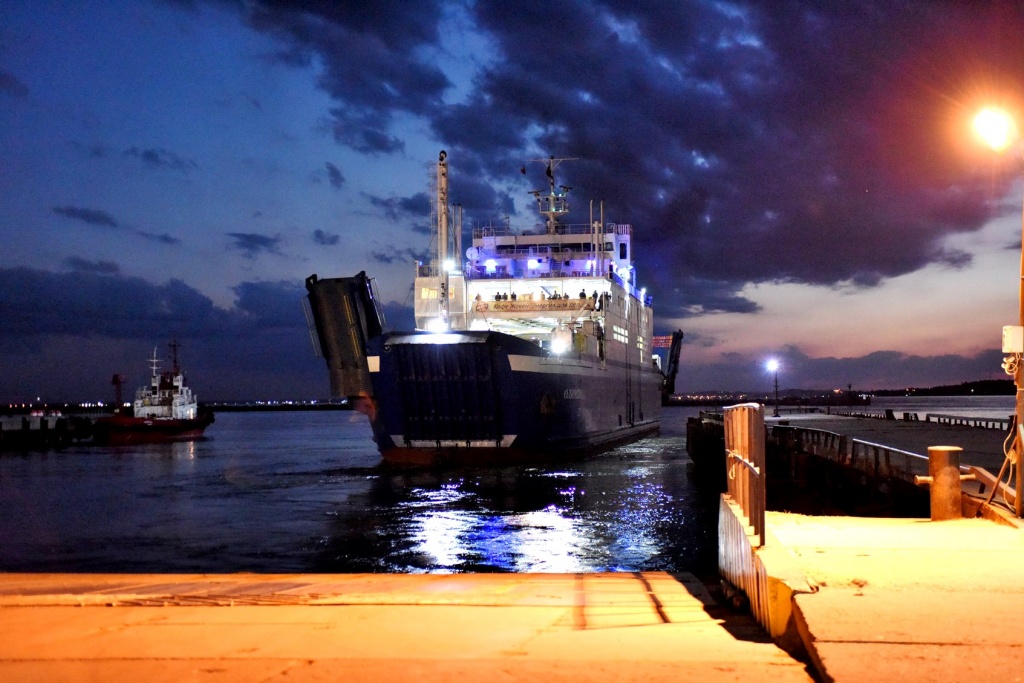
<point>474,397</point>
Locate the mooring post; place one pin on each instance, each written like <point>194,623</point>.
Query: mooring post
<point>943,481</point>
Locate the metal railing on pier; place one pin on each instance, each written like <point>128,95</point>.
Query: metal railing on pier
<point>1003,423</point>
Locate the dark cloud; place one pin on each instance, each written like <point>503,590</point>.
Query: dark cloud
<point>327,239</point>
<point>700,296</point>
<point>162,238</point>
<point>271,304</point>
<point>159,157</point>
<point>395,255</point>
<point>334,175</point>
<point>362,132</point>
<point>81,265</point>
<point>10,84</point>
<point>747,142</point>
<point>253,244</point>
<point>90,216</point>
<point>373,57</point>
<point>417,205</point>
<point>86,302</point>
<point>258,348</point>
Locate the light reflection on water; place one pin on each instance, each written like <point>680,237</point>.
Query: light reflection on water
<point>306,492</point>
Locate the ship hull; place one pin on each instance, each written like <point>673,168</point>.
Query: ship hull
<point>123,429</point>
<point>488,397</point>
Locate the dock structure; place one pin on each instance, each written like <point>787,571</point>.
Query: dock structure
<point>649,626</point>
<point>881,598</point>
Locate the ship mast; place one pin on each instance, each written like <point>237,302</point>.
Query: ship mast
<point>442,236</point>
<point>554,204</point>
<point>442,210</point>
<point>174,356</point>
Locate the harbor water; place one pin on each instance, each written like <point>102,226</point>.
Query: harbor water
<point>307,492</point>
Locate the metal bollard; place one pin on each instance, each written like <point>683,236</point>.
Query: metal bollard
<point>944,481</point>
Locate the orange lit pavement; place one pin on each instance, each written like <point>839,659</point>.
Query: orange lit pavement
<point>490,627</point>
<point>903,599</point>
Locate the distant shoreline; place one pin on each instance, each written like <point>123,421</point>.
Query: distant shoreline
<point>273,407</point>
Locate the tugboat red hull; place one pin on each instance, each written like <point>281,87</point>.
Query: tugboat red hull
<point>122,429</point>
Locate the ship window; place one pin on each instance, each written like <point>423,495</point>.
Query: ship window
<point>428,293</point>
<point>622,250</point>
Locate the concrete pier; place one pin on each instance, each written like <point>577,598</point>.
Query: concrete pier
<point>883,598</point>
<point>646,627</point>
<point>900,599</point>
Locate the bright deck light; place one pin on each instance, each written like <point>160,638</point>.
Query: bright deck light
<point>996,128</point>
<point>772,365</point>
<point>436,325</point>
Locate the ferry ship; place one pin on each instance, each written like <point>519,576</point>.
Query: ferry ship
<point>536,345</point>
<point>163,411</point>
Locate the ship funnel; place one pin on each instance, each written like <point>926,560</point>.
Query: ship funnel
<point>344,314</point>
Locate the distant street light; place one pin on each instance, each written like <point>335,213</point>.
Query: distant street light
<point>773,366</point>
<point>999,131</point>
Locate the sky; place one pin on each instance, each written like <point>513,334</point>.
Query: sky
<point>801,177</point>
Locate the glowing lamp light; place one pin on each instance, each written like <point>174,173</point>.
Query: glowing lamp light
<point>561,340</point>
<point>772,365</point>
<point>490,265</point>
<point>533,264</point>
<point>996,128</point>
<point>559,346</point>
<point>436,325</point>
<point>449,265</point>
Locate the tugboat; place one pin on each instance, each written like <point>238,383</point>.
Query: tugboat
<point>166,410</point>
<point>536,345</point>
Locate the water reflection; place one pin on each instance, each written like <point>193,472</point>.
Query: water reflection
<point>631,509</point>
<point>306,492</point>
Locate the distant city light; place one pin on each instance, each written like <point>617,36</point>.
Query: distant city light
<point>996,128</point>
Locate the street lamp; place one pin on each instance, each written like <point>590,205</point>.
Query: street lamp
<point>997,128</point>
<point>773,366</point>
